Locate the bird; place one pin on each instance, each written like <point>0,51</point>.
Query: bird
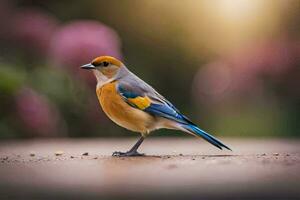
<point>133,104</point>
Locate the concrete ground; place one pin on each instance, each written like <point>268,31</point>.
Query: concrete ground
<point>176,168</point>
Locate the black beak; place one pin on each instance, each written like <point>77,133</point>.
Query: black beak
<point>87,66</point>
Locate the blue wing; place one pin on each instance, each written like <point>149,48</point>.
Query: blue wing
<point>147,99</point>
<point>158,106</point>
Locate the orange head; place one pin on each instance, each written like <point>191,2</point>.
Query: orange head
<point>108,66</point>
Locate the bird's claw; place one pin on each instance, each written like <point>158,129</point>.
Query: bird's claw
<point>127,154</point>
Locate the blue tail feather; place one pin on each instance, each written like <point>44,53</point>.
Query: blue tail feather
<point>211,139</point>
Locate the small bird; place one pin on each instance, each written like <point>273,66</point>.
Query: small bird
<point>133,104</point>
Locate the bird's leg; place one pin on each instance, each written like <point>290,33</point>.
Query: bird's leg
<point>132,151</point>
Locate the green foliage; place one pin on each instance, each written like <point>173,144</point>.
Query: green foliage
<point>11,78</point>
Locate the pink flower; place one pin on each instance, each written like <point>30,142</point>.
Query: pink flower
<point>78,42</point>
<point>218,81</point>
<point>38,116</point>
<point>271,58</point>
<point>242,74</point>
<point>33,29</point>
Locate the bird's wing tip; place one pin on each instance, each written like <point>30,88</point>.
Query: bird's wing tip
<point>227,148</point>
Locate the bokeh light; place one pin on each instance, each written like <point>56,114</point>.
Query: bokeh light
<point>230,65</point>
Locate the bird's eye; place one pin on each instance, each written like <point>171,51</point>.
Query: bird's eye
<point>105,64</point>
<point>96,64</point>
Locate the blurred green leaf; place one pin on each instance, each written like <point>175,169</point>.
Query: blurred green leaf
<point>11,78</point>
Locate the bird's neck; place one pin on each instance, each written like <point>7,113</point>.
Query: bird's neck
<point>101,79</point>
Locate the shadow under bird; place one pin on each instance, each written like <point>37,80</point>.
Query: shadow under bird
<point>133,104</point>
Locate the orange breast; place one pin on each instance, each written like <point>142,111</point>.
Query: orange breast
<point>121,113</point>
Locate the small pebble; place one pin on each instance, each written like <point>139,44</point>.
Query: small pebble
<point>166,157</point>
<point>287,154</point>
<point>32,154</point>
<point>59,153</point>
<point>180,154</point>
<point>95,158</point>
<point>72,157</point>
<point>5,158</point>
<point>193,159</point>
<point>85,154</point>
<point>263,154</point>
<point>275,154</point>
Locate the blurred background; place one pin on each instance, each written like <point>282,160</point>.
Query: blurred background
<point>233,66</point>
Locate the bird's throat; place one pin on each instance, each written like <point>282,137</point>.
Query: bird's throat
<point>101,78</point>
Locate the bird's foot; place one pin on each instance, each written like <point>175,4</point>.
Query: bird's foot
<point>127,154</point>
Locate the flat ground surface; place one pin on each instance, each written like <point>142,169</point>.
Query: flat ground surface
<point>174,168</point>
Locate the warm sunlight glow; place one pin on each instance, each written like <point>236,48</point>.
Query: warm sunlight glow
<point>237,10</point>
<point>223,25</point>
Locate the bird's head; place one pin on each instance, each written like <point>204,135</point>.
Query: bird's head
<point>104,67</point>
